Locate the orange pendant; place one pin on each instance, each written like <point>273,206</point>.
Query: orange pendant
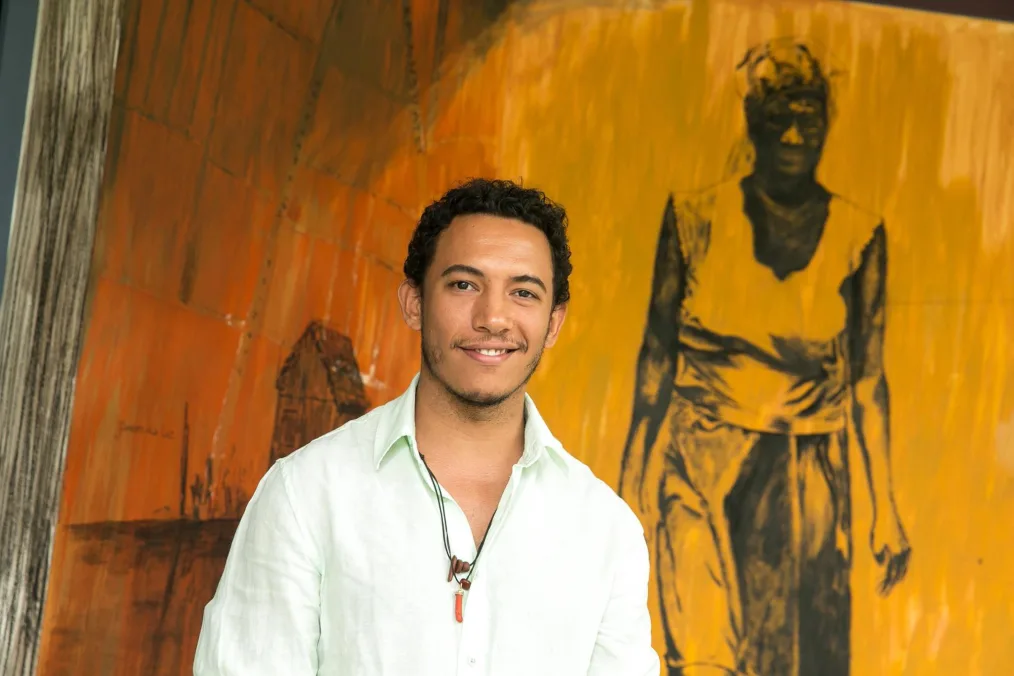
<point>459,597</point>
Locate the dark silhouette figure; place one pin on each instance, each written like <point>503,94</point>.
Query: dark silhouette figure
<point>762,349</point>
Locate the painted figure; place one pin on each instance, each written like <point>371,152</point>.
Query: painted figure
<point>763,350</point>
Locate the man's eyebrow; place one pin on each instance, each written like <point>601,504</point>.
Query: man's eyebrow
<point>529,279</point>
<point>476,272</point>
<point>466,269</point>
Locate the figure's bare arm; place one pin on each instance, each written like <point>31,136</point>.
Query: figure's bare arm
<point>656,361</point>
<point>870,392</point>
<point>871,403</point>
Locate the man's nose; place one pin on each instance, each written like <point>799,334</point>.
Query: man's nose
<point>491,313</point>
<point>792,136</point>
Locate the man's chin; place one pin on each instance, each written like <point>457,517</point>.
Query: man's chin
<point>480,386</point>
<point>483,398</point>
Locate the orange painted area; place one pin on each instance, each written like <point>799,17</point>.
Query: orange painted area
<point>257,181</point>
<point>265,170</point>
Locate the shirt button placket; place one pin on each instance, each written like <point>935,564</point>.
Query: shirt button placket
<point>474,635</point>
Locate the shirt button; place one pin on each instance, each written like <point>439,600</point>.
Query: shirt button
<point>471,661</point>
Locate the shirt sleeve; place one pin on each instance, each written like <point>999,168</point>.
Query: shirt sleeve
<point>623,646</point>
<point>265,615</point>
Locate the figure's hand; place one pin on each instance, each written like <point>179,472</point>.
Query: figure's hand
<point>629,490</point>
<point>636,486</point>
<point>890,549</point>
<point>636,494</point>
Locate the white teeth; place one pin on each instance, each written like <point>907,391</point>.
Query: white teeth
<point>491,353</point>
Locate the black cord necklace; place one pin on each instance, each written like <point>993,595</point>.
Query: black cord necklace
<point>457,567</point>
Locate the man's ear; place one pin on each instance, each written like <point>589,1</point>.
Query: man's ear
<point>410,298</point>
<point>556,323</point>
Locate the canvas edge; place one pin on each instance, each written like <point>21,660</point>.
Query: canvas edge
<point>53,223</point>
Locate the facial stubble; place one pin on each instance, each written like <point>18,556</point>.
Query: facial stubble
<point>432,356</point>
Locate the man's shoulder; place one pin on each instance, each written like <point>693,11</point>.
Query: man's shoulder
<point>348,448</point>
<point>599,498</point>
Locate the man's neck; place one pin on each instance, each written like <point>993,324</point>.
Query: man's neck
<point>451,432</point>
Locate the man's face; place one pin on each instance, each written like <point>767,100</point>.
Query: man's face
<point>789,134</point>
<point>486,309</point>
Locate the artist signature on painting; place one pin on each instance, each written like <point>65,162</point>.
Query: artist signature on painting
<point>146,430</point>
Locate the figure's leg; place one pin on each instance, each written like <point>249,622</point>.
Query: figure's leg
<point>701,637</point>
<point>698,583</point>
<point>824,592</point>
<point>793,570</point>
<point>761,517</point>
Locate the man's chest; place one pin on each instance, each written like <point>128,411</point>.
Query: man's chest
<point>477,492</point>
<point>479,504</point>
<point>537,592</point>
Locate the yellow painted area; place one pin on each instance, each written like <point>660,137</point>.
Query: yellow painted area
<point>609,110</point>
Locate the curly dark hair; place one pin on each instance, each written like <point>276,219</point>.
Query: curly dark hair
<point>497,198</point>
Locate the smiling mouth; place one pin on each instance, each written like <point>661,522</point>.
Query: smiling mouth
<point>489,355</point>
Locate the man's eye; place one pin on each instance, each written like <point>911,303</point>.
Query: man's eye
<point>461,286</point>
<point>525,293</point>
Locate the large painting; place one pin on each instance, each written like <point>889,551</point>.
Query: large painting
<point>789,346</point>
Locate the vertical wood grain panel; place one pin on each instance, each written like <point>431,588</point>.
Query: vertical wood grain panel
<point>53,227</point>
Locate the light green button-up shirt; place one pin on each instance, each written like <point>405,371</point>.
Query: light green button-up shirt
<point>338,568</point>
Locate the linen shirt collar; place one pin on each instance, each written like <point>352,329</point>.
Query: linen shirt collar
<point>397,425</point>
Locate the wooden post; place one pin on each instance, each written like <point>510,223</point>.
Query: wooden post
<point>52,229</point>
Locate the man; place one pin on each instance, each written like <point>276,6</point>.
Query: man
<point>448,531</point>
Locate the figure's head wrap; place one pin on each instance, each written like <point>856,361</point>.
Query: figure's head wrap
<point>783,66</point>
